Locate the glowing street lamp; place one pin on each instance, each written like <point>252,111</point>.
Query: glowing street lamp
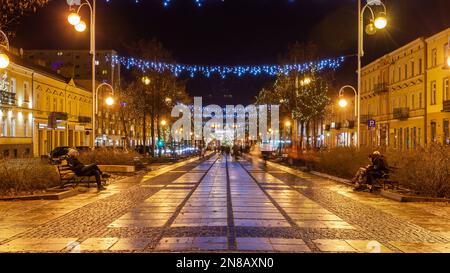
<point>146,80</point>
<point>4,59</point>
<point>109,101</point>
<point>381,21</point>
<point>343,103</point>
<point>74,19</point>
<point>163,122</point>
<point>80,27</point>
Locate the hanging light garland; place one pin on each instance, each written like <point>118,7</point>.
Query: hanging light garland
<point>224,71</point>
<point>166,3</point>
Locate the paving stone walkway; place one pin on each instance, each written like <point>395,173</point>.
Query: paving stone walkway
<point>222,205</point>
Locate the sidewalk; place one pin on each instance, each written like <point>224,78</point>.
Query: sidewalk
<point>19,216</point>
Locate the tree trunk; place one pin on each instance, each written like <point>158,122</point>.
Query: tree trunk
<point>152,126</point>
<point>301,136</point>
<point>124,124</point>
<point>144,130</point>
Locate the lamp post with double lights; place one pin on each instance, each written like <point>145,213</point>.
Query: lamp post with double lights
<point>343,103</point>
<point>379,22</point>
<point>74,19</point>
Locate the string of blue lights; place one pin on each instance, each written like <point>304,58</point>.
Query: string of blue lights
<point>166,3</point>
<point>224,71</point>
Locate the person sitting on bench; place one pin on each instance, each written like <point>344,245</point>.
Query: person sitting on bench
<point>85,170</point>
<point>368,176</point>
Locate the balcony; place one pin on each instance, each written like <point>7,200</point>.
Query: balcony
<point>7,98</point>
<point>350,124</point>
<point>365,118</point>
<point>446,106</point>
<point>380,88</point>
<point>59,115</point>
<point>83,119</point>
<point>401,113</point>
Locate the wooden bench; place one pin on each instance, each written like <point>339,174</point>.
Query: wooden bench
<point>67,176</point>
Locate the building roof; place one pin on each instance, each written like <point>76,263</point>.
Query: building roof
<point>16,59</point>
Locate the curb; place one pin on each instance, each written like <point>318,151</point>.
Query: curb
<point>51,196</point>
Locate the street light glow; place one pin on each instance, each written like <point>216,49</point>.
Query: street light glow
<point>163,123</point>
<point>4,60</point>
<point>146,80</point>
<point>109,101</point>
<point>343,103</point>
<point>80,27</point>
<point>74,19</point>
<point>381,21</point>
<point>448,61</point>
<point>287,124</point>
<point>371,29</point>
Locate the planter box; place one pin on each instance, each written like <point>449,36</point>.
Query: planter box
<point>410,198</point>
<point>117,168</point>
<point>56,195</point>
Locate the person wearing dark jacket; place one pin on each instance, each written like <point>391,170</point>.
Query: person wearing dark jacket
<point>372,172</point>
<point>85,170</point>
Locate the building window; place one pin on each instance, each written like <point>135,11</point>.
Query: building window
<point>420,100</point>
<point>407,138</point>
<point>433,93</point>
<point>419,140</point>
<point>55,106</point>
<point>412,68</point>
<point>13,127</point>
<point>433,57</point>
<point>446,89</point>
<point>413,102</point>
<point>399,73</point>
<point>433,131</point>
<point>406,71</point>
<point>26,92</point>
<point>4,127</point>
<point>12,86</point>
<point>420,66</point>
<point>446,132</point>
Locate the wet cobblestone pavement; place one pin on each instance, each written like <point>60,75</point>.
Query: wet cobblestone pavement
<point>222,205</point>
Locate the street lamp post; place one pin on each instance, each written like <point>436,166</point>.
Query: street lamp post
<point>109,101</point>
<point>379,22</point>
<point>75,20</point>
<point>4,59</point>
<point>343,103</point>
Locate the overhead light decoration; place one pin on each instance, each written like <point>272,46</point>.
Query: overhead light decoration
<point>166,3</point>
<point>224,71</point>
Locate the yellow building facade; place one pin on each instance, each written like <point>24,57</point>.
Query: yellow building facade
<point>396,96</point>
<point>438,90</point>
<point>41,110</point>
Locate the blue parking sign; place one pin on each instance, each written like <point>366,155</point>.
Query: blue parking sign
<point>371,123</point>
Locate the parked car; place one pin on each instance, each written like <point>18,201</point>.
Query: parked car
<point>140,149</point>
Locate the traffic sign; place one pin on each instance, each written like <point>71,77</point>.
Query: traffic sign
<point>371,123</point>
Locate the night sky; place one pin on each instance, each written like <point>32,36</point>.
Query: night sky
<point>232,32</point>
